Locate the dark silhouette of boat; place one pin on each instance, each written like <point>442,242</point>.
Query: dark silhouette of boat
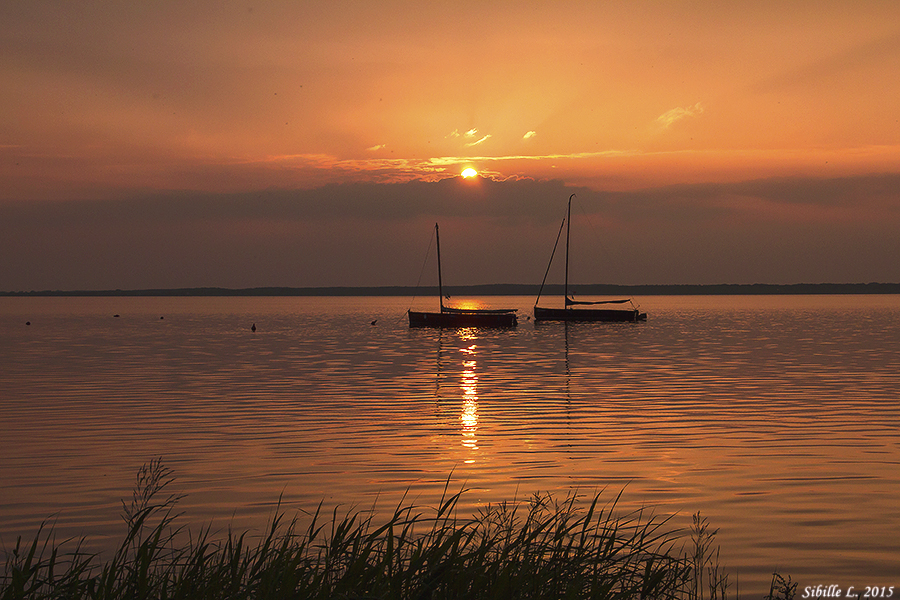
<point>569,312</point>
<point>460,317</point>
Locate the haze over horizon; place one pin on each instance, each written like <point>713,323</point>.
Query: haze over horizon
<point>315,144</point>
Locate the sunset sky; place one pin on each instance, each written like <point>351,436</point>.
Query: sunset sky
<point>288,143</point>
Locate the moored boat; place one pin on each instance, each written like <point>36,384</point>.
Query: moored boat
<point>452,317</point>
<point>569,312</point>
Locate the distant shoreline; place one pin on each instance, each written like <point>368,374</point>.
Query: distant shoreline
<point>501,290</point>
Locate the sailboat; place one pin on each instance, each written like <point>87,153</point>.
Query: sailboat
<point>460,317</point>
<point>569,312</point>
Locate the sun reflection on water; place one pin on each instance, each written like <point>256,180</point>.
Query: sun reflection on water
<point>468,418</point>
<point>468,304</point>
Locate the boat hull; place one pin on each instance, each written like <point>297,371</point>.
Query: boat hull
<point>609,315</point>
<point>461,319</point>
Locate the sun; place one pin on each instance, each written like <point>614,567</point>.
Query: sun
<point>469,172</point>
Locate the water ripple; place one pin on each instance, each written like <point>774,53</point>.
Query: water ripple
<point>775,416</point>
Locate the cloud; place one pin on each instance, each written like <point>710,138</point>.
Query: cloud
<point>529,135</point>
<point>676,114</point>
<point>331,235</point>
<point>782,230</point>
<point>475,143</point>
<point>328,168</point>
<point>375,148</point>
<point>470,134</point>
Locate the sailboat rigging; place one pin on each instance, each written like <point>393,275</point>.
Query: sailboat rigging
<point>460,317</point>
<point>568,313</point>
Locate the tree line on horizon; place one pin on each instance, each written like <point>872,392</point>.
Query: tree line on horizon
<point>497,290</point>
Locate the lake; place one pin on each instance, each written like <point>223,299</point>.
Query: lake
<point>776,417</point>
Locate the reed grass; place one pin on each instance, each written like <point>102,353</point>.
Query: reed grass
<point>544,547</point>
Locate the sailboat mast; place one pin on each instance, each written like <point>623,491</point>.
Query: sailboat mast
<point>437,235</point>
<point>549,264</point>
<point>568,227</point>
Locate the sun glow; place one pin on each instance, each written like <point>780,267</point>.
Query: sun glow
<point>469,172</point>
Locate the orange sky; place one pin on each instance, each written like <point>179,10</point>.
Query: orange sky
<point>107,100</point>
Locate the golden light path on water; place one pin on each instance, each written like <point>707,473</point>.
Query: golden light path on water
<point>468,418</point>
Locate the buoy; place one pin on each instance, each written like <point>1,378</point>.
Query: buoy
<point>28,322</point>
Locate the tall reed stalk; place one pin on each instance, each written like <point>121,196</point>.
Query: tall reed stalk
<point>544,547</point>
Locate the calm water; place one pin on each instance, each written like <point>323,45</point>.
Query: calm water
<point>777,417</point>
